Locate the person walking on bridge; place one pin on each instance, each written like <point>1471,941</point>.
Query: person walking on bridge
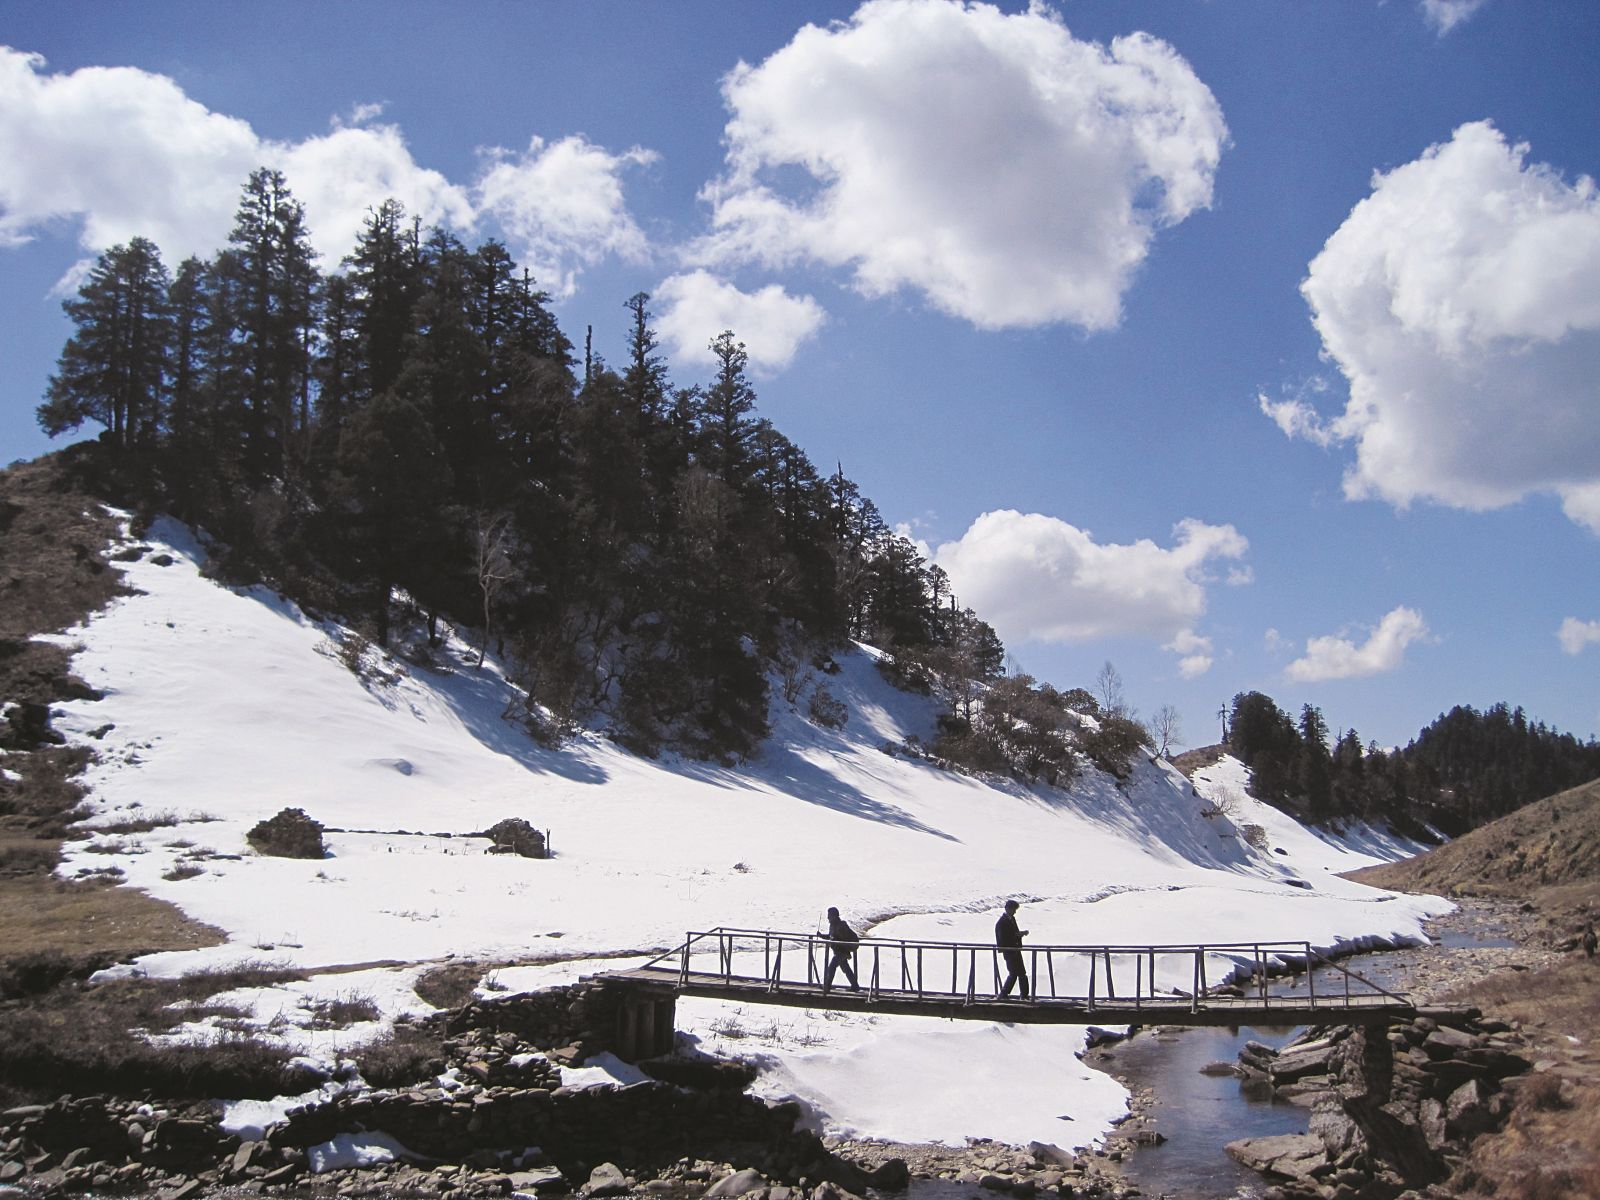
<point>1009,938</point>
<point>842,948</point>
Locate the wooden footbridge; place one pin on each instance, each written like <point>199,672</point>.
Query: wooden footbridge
<point>1245,983</point>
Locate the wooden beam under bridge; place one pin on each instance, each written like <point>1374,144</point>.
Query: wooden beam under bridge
<point>1229,1011</point>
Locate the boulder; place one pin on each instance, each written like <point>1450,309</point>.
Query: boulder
<point>1466,1112</point>
<point>737,1184</point>
<point>1287,1156</point>
<point>1430,1115</point>
<point>892,1175</point>
<point>538,1179</point>
<point>1049,1152</point>
<point>1445,1042</point>
<point>606,1180</point>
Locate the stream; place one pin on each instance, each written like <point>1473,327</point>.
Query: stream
<point>1199,1114</point>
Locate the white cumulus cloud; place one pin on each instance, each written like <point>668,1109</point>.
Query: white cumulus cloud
<point>1338,657</point>
<point>1574,634</point>
<point>125,153</point>
<point>1461,302</point>
<point>123,150</point>
<point>1196,651</point>
<point>1009,172</point>
<point>562,204</point>
<point>1036,577</point>
<point>1445,15</point>
<point>771,323</point>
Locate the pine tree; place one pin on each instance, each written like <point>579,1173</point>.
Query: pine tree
<point>1313,763</point>
<point>113,368</point>
<point>724,428</point>
<point>272,267</point>
<point>385,278</point>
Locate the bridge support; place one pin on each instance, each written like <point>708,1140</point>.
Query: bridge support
<point>646,1022</point>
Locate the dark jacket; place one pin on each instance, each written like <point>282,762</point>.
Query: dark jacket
<point>844,938</point>
<point>1006,932</point>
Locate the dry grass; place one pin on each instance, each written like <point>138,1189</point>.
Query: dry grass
<point>407,1054</point>
<point>43,914</point>
<point>1547,857</point>
<point>53,574</point>
<point>1550,1147</point>
<point>451,985</point>
<point>1554,842</point>
<point>76,1038</point>
<point>341,1012</point>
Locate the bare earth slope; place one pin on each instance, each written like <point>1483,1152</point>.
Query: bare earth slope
<point>1544,860</point>
<point>1553,842</point>
<point>53,573</point>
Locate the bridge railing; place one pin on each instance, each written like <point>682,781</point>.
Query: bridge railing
<point>1120,975</point>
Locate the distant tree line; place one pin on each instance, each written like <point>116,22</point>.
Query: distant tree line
<point>1463,770</point>
<point>415,425</point>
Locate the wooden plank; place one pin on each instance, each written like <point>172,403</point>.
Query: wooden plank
<point>1166,1010</point>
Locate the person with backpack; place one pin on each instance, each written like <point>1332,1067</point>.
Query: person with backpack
<point>842,949</point>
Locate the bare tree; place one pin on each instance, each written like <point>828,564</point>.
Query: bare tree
<point>1108,690</point>
<point>1166,729</point>
<point>492,556</point>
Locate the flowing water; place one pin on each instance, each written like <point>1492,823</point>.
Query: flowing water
<point>1199,1114</point>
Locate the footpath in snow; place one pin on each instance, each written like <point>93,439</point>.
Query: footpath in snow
<point>222,707</point>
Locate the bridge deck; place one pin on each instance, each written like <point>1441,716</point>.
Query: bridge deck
<point>1072,985</point>
<point>1213,1010</point>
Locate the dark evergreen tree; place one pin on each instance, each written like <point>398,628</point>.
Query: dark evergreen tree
<point>723,441</point>
<point>393,483</point>
<point>272,270</point>
<point>113,369</point>
<point>1313,771</point>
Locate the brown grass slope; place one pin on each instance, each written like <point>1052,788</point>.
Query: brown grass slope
<point>1545,858</point>
<point>54,534</point>
<point>1554,842</point>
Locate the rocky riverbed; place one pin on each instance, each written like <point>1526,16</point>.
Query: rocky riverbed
<point>1478,939</point>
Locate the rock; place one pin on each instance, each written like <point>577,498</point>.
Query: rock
<point>75,1158</point>
<point>188,1188</point>
<point>739,1183</point>
<point>11,1170</point>
<point>606,1180</point>
<point>538,1179</point>
<point>1300,1061</point>
<point>1049,1152</point>
<point>1430,1115</point>
<point>1220,1069</point>
<point>1288,1155</point>
<point>892,1175</point>
<point>1333,1126</point>
<point>1445,1042</point>
<point>1467,1110</point>
<point>244,1156</point>
<point>1306,1092</point>
<point>282,1174</point>
<point>989,1181</point>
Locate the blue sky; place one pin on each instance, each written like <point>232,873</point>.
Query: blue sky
<point>1244,345</point>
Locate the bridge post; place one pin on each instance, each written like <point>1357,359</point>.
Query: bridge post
<point>645,1023</point>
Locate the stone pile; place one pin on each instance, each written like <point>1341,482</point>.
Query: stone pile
<point>289,834</point>
<point>572,1022</point>
<point>647,1125</point>
<point>1392,1109</point>
<point>92,1143</point>
<point>515,836</point>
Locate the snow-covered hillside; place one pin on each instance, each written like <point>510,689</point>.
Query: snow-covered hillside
<point>222,707</point>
